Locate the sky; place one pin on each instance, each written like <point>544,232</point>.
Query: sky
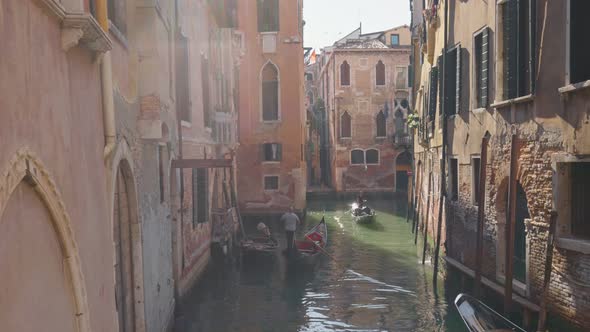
<point>329,20</point>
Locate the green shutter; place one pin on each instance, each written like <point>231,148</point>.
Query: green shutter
<point>458,82</point>
<point>438,87</point>
<point>510,15</point>
<point>532,43</point>
<point>485,51</point>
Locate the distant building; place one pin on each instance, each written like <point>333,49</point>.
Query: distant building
<point>271,161</point>
<point>363,82</point>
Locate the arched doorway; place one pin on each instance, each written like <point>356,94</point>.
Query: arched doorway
<point>125,237</point>
<point>403,164</point>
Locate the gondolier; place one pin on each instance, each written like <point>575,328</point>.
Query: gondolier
<point>291,221</point>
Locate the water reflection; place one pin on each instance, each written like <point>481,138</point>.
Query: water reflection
<point>375,283</point>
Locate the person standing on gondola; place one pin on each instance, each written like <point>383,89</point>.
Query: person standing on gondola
<point>291,221</point>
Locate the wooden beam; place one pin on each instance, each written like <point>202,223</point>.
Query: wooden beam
<point>481,213</point>
<point>202,163</point>
<point>510,224</point>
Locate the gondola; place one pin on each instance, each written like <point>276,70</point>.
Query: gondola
<point>362,216</point>
<point>310,247</point>
<point>260,245</point>
<point>478,317</point>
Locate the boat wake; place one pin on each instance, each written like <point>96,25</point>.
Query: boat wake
<point>389,288</point>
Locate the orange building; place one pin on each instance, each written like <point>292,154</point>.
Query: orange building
<point>271,166</point>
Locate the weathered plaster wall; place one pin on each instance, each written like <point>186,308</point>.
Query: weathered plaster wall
<point>50,102</point>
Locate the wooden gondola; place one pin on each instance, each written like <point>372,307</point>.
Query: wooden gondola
<point>478,317</point>
<point>361,216</point>
<point>310,247</point>
<point>261,245</point>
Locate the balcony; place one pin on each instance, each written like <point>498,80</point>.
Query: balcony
<point>402,140</point>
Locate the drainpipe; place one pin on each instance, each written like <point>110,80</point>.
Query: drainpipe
<point>106,75</point>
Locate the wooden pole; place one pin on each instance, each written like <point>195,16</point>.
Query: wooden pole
<point>417,219</point>
<point>416,210</point>
<point>410,202</point>
<point>426,220</point>
<point>510,224</point>
<point>547,277</point>
<point>481,197</point>
<point>441,201</point>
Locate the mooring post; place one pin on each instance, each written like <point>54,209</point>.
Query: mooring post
<point>481,197</point>
<point>510,224</point>
<point>426,220</point>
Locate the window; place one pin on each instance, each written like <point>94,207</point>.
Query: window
<point>454,173</point>
<point>518,30</point>
<point>372,156</point>
<point>401,78</point>
<point>475,169</point>
<point>308,76</point>
<point>268,15</point>
<point>394,40</point>
<point>205,91</point>
<point>380,73</point>
<point>433,89</point>
<point>345,74</point>
<point>452,99</point>
<point>272,152</point>
<point>481,52</point>
<point>580,196</point>
<point>271,182</point>
<point>345,125</point>
<point>357,157</point>
<point>182,79</point>
<point>579,51</point>
<point>381,125</point>
<point>200,195</point>
<point>117,11</point>
<point>270,93</point>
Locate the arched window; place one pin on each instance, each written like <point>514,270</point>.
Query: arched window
<point>372,156</point>
<point>357,157</point>
<point>270,93</point>
<point>345,74</point>
<point>345,125</point>
<point>380,73</point>
<point>381,126</point>
<point>400,127</point>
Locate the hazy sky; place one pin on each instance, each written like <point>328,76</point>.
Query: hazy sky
<point>328,20</point>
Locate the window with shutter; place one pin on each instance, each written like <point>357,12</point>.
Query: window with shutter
<point>579,70</point>
<point>268,15</point>
<point>344,74</point>
<point>272,152</point>
<point>270,93</point>
<point>453,81</point>
<point>433,93</point>
<point>481,52</point>
<point>519,24</point>
<point>441,99</point>
<point>205,90</point>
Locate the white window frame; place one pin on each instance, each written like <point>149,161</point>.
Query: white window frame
<point>350,157</point>
<point>340,123</point>
<point>378,157</point>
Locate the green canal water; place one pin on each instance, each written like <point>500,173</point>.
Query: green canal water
<point>375,283</point>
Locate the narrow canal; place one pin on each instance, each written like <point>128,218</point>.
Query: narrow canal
<point>376,283</point>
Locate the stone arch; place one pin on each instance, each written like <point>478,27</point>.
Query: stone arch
<point>123,197</point>
<point>26,167</point>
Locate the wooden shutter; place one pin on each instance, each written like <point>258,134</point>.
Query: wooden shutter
<point>532,43</point>
<point>458,82</point>
<point>484,67</point>
<point>433,92</point>
<point>510,15</point>
<point>441,98</point>
<point>194,196</point>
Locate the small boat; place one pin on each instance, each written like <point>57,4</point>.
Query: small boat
<point>362,216</point>
<point>264,245</point>
<point>478,317</point>
<point>313,242</point>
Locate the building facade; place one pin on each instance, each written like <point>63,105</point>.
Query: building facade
<point>364,83</point>
<point>528,102</point>
<point>272,170</point>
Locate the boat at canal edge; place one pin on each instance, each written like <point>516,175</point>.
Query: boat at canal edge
<point>478,317</point>
<point>313,242</point>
